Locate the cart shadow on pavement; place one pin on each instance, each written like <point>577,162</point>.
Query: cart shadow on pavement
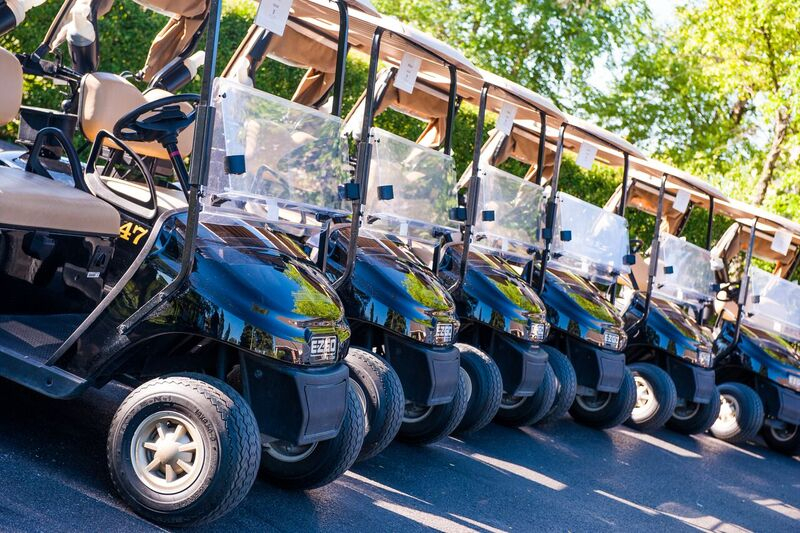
<point>52,453</point>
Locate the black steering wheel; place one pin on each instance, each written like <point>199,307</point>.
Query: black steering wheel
<point>164,122</point>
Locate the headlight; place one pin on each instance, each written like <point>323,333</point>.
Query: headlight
<point>794,382</point>
<point>614,340</point>
<point>704,357</point>
<point>539,331</point>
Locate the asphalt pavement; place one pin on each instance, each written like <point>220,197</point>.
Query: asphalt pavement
<point>564,477</point>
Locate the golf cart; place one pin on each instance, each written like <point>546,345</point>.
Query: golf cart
<point>584,250</point>
<point>757,359</point>
<point>665,300</point>
<point>397,309</point>
<point>503,217</point>
<point>234,341</point>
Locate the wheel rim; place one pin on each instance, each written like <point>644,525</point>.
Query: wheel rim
<point>167,452</point>
<point>728,419</point>
<point>414,412</point>
<point>511,402</point>
<point>646,401</point>
<point>594,403</point>
<point>287,452</point>
<point>687,411</point>
<point>362,399</point>
<point>467,383</point>
<point>783,434</point>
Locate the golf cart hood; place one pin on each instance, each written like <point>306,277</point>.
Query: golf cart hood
<point>577,308</point>
<point>493,293</point>
<point>764,352</point>
<point>670,328</point>
<point>390,288</point>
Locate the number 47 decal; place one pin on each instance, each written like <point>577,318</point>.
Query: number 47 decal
<point>132,232</point>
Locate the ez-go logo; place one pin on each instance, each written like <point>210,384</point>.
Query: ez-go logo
<point>323,347</point>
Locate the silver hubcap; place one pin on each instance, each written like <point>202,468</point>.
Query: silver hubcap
<point>593,403</point>
<point>167,452</point>
<point>646,402</point>
<point>511,402</point>
<point>686,411</point>
<point>728,419</point>
<point>287,452</point>
<point>783,434</point>
<point>414,413</point>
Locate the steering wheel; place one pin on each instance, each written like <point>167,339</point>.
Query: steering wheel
<point>164,122</point>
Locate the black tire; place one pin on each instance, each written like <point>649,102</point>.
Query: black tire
<point>566,385</point>
<point>606,410</point>
<point>317,464</point>
<point>518,412</point>
<point>210,416</point>
<point>438,421</point>
<point>656,397</point>
<point>382,396</point>
<point>784,440</point>
<point>695,418</point>
<point>741,414</point>
<point>485,389</point>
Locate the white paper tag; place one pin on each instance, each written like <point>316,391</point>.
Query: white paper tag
<point>404,229</point>
<point>777,326</point>
<point>781,242</point>
<point>272,210</point>
<point>505,120</point>
<point>586,156</point>
<point>406,75</point>
<point>681,202</point>
<point>504,245</point>
<point>272,15</point>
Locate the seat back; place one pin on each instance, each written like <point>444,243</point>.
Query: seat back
<point>105,98</point>
<point>10,86</point>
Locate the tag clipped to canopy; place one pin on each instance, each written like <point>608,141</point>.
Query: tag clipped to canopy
<point>681,202</point>
<point>586,156</point>
<point>406,76</point>
<point>781,242</point>
<point>272,15</point>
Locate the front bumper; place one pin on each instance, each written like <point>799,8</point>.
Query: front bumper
<point>429,374</point>
<point>522,364</point>
<point>692,382</point>
<point>780,402</point>
<point>300,405</point>
<point>598,369</point>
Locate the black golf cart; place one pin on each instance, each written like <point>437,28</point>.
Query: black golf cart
<point>584,251</point>
<point>757,360</point>
<point>665,301</point>
<point>234,340</point>
<point>397,308</point>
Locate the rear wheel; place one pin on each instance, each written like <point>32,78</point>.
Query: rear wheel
<point>606,410</point>
<point>656,397</point>
<point>381,395</point>
<point>566,385</point>
<point>741,413</point>
<point>784,439</point>
<point>484,388</point>
<point>428,424</point>
<point>524,411</point>
<point>314,465</point>
<point>693,418</point>
<point>183,450</point>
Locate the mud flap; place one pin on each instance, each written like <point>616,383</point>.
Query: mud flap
<point>780,402</point>
<point>692,382</point>
<point>522,364</point>
<point>596,368</point>
<point>298,405</point>
<point>429,374</point>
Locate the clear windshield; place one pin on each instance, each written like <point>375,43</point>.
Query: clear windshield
<point>598,242</point>
<point>422,184</point>
<point>773,303</point>
<point>518,207</point>
<point>290,156</point>
<point>684,271</point>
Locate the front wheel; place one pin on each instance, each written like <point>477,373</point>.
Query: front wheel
<point>606,410</point>
<point>741,413</point>
<point>784,439</point>
<point>428,424</point>
<point>566,384</point>
<point>694,418</point>
<point>656,397</point>
<point>525,411</point>
<point>183,450</point>
<point>319,463</point>
<point>484,388</point>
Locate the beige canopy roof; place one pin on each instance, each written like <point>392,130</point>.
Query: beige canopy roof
<point>586,131</point>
